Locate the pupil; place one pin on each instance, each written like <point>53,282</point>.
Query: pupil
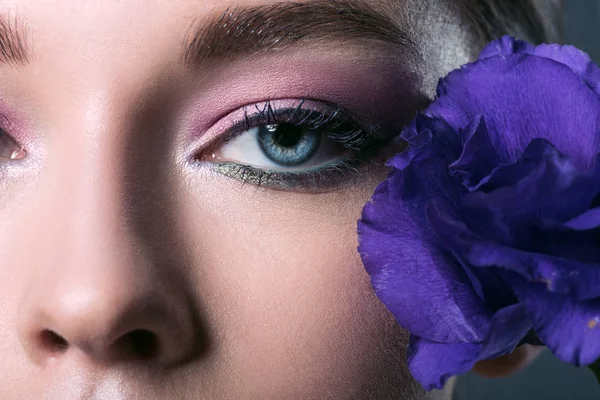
<point>287,144</point>
<point>288,135</point>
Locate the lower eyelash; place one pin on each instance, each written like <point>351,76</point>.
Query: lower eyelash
<point>344,173</point>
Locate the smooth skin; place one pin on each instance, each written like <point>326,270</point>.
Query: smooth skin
<point>130,271</point>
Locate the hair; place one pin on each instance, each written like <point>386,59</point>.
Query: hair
<point>537,21</point>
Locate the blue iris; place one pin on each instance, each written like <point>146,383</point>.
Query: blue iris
<point>288,145</point>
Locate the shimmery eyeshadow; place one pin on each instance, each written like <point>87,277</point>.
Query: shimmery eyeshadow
<point>374,89</point>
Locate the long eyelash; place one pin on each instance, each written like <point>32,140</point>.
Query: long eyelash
<point>296,116</point>
<point>342,128</point>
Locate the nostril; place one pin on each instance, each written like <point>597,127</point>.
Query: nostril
<point>139,344</point>
<point>53,341</point>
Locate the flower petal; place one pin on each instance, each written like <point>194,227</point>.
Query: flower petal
<point>425,288</point>
<point>506,46</point>
<point>431,363</point>
<point>479,157</point>
<point>579,62</point>
<point>588,220</point>
<point>415,145</point>
<point>421,284</point>
<point>519,105</point>
<point>523,221</point>
<point>542,185</point>
<point>532,163</point>
<point>419,135</point>
<point>561,275</point>
<point>460,240</point>
<point>509,325</point>
<point>570,328</point>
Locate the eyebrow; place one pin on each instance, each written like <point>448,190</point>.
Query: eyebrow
<point>13,41</point>
<point>245,31</point>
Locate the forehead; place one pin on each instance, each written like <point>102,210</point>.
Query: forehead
<point>109,30</point>
<point>122,24</point>
<point>96,46</point>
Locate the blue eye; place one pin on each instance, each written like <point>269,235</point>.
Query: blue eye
<point>291,145</point>
<point>288,145</point>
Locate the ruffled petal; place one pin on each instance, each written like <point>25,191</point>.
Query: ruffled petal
<point>416,144</point>
<point>506,46</point>
<point>479,156</point>
<point>508,327</point>
<point>420,136</point>
<point>579,62</point>
<point>425,288</point>
<point>432,364</point>
<point>560,275</point>
<point>586,221</point>
<point>570,328</point>
<point>529,97</point>
<point>542,185</point>
<point>537,152</point>
<point>420,283</point>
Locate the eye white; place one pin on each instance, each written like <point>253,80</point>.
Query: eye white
<point>245,149</point>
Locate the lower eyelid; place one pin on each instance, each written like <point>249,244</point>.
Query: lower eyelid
<point>332,177</point>
<point>323,180</point>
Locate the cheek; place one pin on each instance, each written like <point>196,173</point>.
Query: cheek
<point>290,302</point>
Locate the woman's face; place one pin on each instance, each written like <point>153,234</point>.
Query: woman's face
<point>179,187</point>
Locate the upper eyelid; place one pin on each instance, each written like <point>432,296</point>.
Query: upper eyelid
<point>299,115</point>
<point>255,114</point>
<point>273,111</point>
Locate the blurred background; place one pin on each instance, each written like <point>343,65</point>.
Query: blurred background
<point>583,25</point>
<point>548,378</point>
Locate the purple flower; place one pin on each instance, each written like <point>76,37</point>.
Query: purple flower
<point>486,229</point>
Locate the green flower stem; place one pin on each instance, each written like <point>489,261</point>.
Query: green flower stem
<point>595,368</point>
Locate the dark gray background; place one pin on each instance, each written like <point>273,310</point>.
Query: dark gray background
<point>583,25</point>
<point>548,378</point>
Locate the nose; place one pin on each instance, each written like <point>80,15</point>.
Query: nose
<point>98,292</point>
<point>107,321</point>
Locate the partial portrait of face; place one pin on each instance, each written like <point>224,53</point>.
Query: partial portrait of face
<point>179,188</point>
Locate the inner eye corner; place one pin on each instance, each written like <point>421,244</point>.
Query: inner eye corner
<point>19,154</point>
<point>10,148</point>
<point>10,152</point>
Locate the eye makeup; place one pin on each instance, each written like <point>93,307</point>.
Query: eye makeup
<point>351,147</point>
<point>354,103</point>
